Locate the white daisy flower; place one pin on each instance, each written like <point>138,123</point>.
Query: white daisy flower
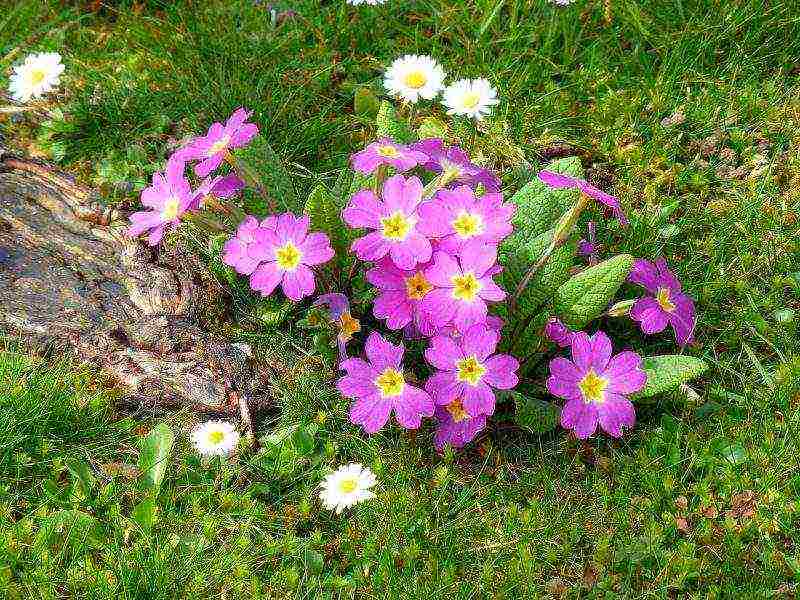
<point>215,438</point>
<point>37,75</point>
<point>346,487</point>
<point>413,77</point>
<point>470,97</point>
<point>562,2</point>
<point>370,2</point>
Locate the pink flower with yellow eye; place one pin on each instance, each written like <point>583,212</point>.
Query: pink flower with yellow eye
<point>286,255</point>
<point>393,219</point>
<point>401,294</point>
<point>212,148</point>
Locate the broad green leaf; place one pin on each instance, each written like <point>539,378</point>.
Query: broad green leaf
<point>154,456</point>
<point>324,212</point>
<point>263,170</point>
<point>535,415</point>
<point>389,125</point>
<point>667,372</point>
<point>84,479</point>
<point>144,514</point>
<point>540,206</point>
<point>365,103</point>
<point>69,531</point>
<point>586,295</point>
<point>431,127</point>
<point>517,259</point>
<point>271,312</point>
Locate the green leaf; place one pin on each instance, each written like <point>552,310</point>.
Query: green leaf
<point>539,206</point>
<point>260,166</point>
<point>324,211</point>
<point>272,311</point>
<point>667,372</point>
<point>154,456</point>
<point>535,415</point>
<point>388,125</point>
<point>144,514</point>
<point>431,127</point>
<point>365,103</point>
<point>518,258</point>
<point>84,479</point>
<point>586,295</point>
<point>69,531</point>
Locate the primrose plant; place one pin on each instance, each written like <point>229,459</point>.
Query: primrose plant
<point>468,290</point>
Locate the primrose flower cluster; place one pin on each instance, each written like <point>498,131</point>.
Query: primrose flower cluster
<point>434,253</point>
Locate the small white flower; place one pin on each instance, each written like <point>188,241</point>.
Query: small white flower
<point>215,438</point>
<point>36,76</point>
<point>562,2</point>
<point>413,77</point>
<point>346,487</point>
<point>470,97</point>
<point>370,2</point>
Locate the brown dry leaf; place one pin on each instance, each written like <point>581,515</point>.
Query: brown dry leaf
<point>675,118</point>
<point>682,524</point>
<point>743,506</point>
<point>709,512</point>
<point>589,576</point>
<point>113,469</point>
<point>681,503</point>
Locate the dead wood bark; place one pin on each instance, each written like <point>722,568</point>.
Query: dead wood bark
<point>71,278</point>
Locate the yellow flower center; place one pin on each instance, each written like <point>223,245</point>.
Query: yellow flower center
<point>466,287</point>
<point>216,437</point>
<point>219,145</point>
<point>396,226</point>
<point>467,224</point>
<point>37,76</point>
<point>593,387</point>
<point>471,99</point>
<point>390,383</point>
<point>170,210</point>
<point>388,151</point>
<point>417,287</point>
<point>469,370</point>
<point>348,485</point>
<point>348,325</point>
<point>664,300</point>
<point>456,410</point>
<point>288,256</point>
<point>415,79</point>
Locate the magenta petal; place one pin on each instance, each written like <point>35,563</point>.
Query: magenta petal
<point>649,314</point>
<point>563,388</point>
<point>244,135</point>
<point>491,291</point>
<point>469,313</point>
<point>363,210</point>
<point>371,413</point>
<point>386,276</point>
<point>478,257</point>
<point>382,353</point>
<point>204,168</point>
<point>266,278</point>
<point>394,307</point>
<point>356,387</point>
<point>441,272</point>
<point>601,351</point>
<point>562,368</point>
<point>501,371</point>
<point>478,400</point>
<point>614,413</point>
<point>645,274</point>
<point>156,235</point>
<point>440,306</point>
<point>682,319</point>
<point>419,246</point>
<point>402,255</point>
<point>443,353</point>
<point>624,373</point>
<point>480,341</point>
<point>557,180</point>
<point>411,406</point>
<point>581,351</point>
<point>299,283</point>
<point>316,249</point>
<point>371,247</point>
<point>443,387</point>
<point>434,219</point>
<point>580,417</point>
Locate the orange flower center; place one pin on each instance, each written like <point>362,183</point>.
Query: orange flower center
<point>456,410</point>
<point>417,287</point>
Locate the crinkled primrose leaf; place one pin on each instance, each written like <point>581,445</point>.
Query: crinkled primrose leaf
<point>535,415</point>
<point>667,372</point>
<point>389,125</point>
<point>586,295</point>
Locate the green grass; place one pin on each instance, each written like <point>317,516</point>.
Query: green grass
<point>700,500</point>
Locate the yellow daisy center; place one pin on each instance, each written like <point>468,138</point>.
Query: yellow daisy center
<point>593,387</point>
<point>288,256</point>
<point>396,226</point>
<point>465,287</point>
<point>664,300</point>
<point>415,79</point>
<point>417,287</point>
<point>467,224</point>
<point>348,325</point>
<point>170,210</point>
<point>456,410</point>
<point>469,370</point>
<point>471,99</point>
<point>347,485</point>
<point>388,151</point>
<point>37,76</point>
<point>216,437</point>
<point>219,145</point>
<point>390,383</point>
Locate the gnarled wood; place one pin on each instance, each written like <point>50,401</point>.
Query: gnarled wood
<point>71,278</point>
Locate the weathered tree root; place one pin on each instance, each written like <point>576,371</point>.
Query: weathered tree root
<point>71,279</point>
